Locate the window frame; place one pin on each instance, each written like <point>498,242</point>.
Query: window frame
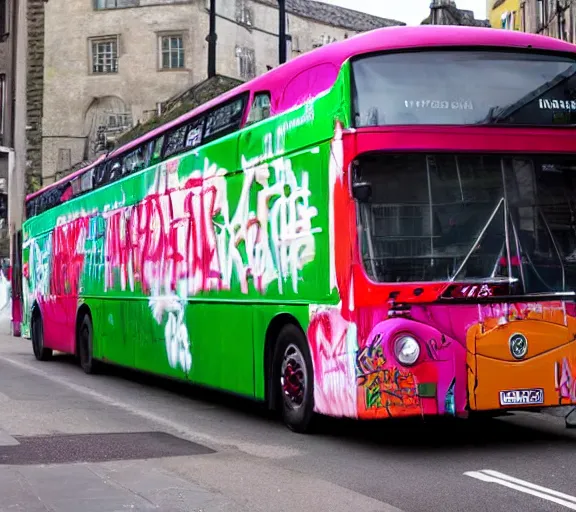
<point>92,41</point>
<point>182,34</point>
<point>131,3</point>
<point>3,104</point>
<point>238,52</point>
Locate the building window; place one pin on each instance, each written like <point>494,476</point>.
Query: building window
<point>4,29</point>
<point>243,13</point>
<point>246,62</point>
<point>115,4</point>
<point>539,14</point>
<point>172,51</point>
<point>572,24</point>
<point>323,40</point>
<point>104,55</point>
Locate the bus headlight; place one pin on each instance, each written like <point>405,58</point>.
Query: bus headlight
<point>407,350</point>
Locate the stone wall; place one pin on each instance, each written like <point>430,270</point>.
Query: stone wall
<point>34,94</point>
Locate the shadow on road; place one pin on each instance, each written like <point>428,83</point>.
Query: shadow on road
<point>404,435</point>
<point>444,434</point>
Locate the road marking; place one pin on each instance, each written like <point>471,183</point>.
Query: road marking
<point>490,476</point>
<point>7,440</point>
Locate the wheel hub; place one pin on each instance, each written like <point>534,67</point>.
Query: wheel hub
<point>293,377</point>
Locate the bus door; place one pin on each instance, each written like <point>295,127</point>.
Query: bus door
<point>16,283</point>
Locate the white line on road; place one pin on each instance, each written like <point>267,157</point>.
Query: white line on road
<point>490,476</point>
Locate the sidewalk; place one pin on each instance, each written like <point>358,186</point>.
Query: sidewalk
<point>137,485</point>
<point>42,425</point>
<point>110,487</point>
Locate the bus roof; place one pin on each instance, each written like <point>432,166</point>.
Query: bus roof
<point>388,38</point>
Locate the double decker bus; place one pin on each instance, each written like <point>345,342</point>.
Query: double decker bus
<point>383,227</point>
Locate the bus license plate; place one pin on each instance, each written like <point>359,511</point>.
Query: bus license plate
<point>522,396</point>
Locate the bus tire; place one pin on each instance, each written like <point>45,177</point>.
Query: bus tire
<point>85,345</point>
<point>41,353</point>
<point>294,379</point>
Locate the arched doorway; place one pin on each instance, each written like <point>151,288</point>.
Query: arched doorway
<point>106,118</point>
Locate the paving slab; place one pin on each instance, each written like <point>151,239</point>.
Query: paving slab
<point>114,487</point>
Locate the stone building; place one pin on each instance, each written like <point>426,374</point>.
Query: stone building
<point>555,18</point>
<point>7,66</point>
<point>445,12</point>
<point>111,64</point>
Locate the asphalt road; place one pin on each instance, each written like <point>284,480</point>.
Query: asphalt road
<point>526,462</point>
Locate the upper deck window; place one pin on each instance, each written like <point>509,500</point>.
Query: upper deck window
<point>260,108</point>
<point>463,87</point>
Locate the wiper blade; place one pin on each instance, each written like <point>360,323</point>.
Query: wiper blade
<point>487,280</point>
<point>493,299</point>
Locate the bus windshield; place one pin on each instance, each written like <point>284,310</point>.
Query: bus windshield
<point>463,87</point>
<point>470,218</point>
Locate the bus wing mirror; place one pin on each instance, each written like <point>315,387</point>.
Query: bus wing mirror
<point>362,191</point>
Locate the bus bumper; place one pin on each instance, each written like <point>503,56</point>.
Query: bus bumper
<point>523,364</point>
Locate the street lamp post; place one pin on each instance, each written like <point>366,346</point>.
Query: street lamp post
<point>212,38</point>
<point>282,31</point>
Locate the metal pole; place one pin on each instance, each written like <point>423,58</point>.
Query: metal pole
<point>282,31</point>
<point>212,38</point>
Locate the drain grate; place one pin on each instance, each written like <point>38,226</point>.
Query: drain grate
<point>69,448</point>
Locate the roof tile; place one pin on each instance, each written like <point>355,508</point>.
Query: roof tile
<point>335,15</point>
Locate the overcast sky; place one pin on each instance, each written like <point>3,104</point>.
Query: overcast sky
<point>409,11</point>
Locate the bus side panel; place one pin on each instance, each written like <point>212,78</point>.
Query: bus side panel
<point>120,329</point>
<point>222,350</point>
<point>158,346</point>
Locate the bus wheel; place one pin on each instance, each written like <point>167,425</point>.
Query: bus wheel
<point>85,337</point>
<point>295,379</point>
<point>40,351</point>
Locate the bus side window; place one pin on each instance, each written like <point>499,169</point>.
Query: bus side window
<point>134,161</point>
<point>194,136</point>
<point>175,141</point>
<point>157,150</point>
<point>260,108</point>
<point>140,157</point>
<point>224,119</point>
<point>87,181</point>
<point>115,170</point>
<point>100,175</point>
